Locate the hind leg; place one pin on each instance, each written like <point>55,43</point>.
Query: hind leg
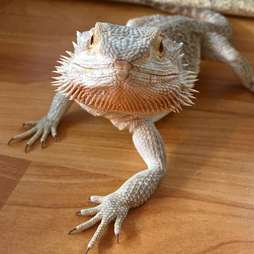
<point>217,47</point>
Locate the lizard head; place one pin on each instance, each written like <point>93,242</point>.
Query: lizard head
<point>126,69</point>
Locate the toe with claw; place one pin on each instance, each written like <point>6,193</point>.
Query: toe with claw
<point>110,208</point>
<point>38,130</point>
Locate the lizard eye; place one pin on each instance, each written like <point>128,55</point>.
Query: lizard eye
<point>161,47</point>
<point>91,40</point>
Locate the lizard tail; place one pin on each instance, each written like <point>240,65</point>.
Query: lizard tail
<point>218,22</point>
<point>232,7</point>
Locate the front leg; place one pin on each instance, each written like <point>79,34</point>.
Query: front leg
<point>48,124</point>
<point>135,191</point>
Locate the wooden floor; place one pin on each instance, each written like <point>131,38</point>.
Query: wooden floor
<point>205,204</point>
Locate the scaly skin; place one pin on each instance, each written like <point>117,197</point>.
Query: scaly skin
<point>134,75</point>
<point>135,191</point>
<point>233,7</point>
<point>48,124</point>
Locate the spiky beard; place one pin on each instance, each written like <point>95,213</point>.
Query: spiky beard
<point>130,97</point>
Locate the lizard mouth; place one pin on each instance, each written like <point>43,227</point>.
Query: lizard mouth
<point>114,73</point>
<point>127,88</point>
<point>136,68</point>
<point>131,97</point>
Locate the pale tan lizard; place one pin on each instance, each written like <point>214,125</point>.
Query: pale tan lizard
<point>134,75</point>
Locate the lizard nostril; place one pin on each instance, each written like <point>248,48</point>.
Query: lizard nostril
<point>122,64</point>
<point>122,69</point>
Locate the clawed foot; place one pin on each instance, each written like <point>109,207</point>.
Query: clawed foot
<point>36,130</point>
<point>111,208</point>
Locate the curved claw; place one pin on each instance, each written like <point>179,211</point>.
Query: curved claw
<point>27,148</point>
<point>78,213</point>
<point>53,131</point>
<point>83,226</point>
<point>43,144</point>
<point>10,141</point>
<point>117,238</point>
<point>71,231</point>
<point>23,135</point>
<point>87,249</point>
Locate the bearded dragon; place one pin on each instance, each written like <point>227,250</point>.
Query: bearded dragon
<point>134,75</point>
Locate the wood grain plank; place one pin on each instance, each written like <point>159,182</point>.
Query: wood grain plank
<point>42,208</point>
<point>11,171</point>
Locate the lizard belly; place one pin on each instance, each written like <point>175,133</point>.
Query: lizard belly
<point>123,120</point>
